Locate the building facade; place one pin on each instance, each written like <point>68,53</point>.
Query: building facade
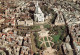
<point>38,16</point>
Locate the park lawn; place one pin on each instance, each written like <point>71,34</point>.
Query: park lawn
<point>47,44</point>
<point>55,38</point>
<point>37,41</point>
<point>45,38</point>
<point>43,45</point>
<point>38,44</point>
<point>41,39</point>
<point>49,38</point>
<point>35,27</point>
<point>51,44</point>
<point>47,26</point>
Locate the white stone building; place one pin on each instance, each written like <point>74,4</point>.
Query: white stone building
<point>38,16</point>
<point>25,23</point>
<point>29,22</point>
<point>25,50</point>
<point>16,50</point>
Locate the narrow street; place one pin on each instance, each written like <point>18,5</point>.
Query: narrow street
<point>71,39</point>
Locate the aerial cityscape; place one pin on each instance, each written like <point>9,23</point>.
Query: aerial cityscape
<point>39,27</point>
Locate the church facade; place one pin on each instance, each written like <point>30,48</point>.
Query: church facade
<point>38,15</point>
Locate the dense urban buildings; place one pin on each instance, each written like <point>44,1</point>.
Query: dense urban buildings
<point>39,27</point>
